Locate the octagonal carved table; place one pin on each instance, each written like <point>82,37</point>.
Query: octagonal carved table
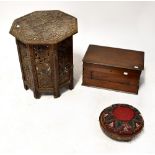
<point>45,48</point>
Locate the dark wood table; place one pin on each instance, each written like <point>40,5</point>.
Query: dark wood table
<point>45,47</point>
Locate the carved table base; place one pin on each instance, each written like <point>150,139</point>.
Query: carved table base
<point>46,68</point>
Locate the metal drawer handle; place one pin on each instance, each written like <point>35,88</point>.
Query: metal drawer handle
<point>136,67</point>
<point>125,73</point>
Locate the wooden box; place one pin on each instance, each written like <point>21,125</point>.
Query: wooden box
<point>45,47</point>
<point>113,68</point>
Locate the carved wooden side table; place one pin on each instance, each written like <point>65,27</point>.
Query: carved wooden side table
<point>45,48</point>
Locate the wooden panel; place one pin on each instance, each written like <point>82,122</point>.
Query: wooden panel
<point>112,74</point>
<point>111,85</point>
<point>124,79</point>
<point>25,64</point>
<point>111,77</point>
<point>42,66</point>
<point>65,60</point>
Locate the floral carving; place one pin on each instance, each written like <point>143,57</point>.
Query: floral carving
<point>42,65</point>
<point>64,60</point>
<point>25,58</point>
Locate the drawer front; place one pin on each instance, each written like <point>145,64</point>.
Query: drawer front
<point>111,74</point>
<point>111,77</point>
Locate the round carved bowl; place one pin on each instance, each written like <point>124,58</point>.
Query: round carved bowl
<point>121,122</point>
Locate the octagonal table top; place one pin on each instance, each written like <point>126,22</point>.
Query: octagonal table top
<point>44,27</point>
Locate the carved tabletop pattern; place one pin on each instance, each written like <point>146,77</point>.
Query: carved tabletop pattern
<point>44,27</point>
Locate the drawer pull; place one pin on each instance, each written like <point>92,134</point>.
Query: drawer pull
<point>125,73</point>
<point>136,67</point>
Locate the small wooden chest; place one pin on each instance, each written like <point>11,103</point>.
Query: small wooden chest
<point>113,68</point>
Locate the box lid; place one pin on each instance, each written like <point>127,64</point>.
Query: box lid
<point>115,57</point>
<point>44,27</point>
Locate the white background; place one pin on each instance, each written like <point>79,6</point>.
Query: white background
<point>70,123</point>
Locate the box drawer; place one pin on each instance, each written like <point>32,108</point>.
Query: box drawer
<point>111,85</point>
<point>111,74</point>
<point>111,77</point>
